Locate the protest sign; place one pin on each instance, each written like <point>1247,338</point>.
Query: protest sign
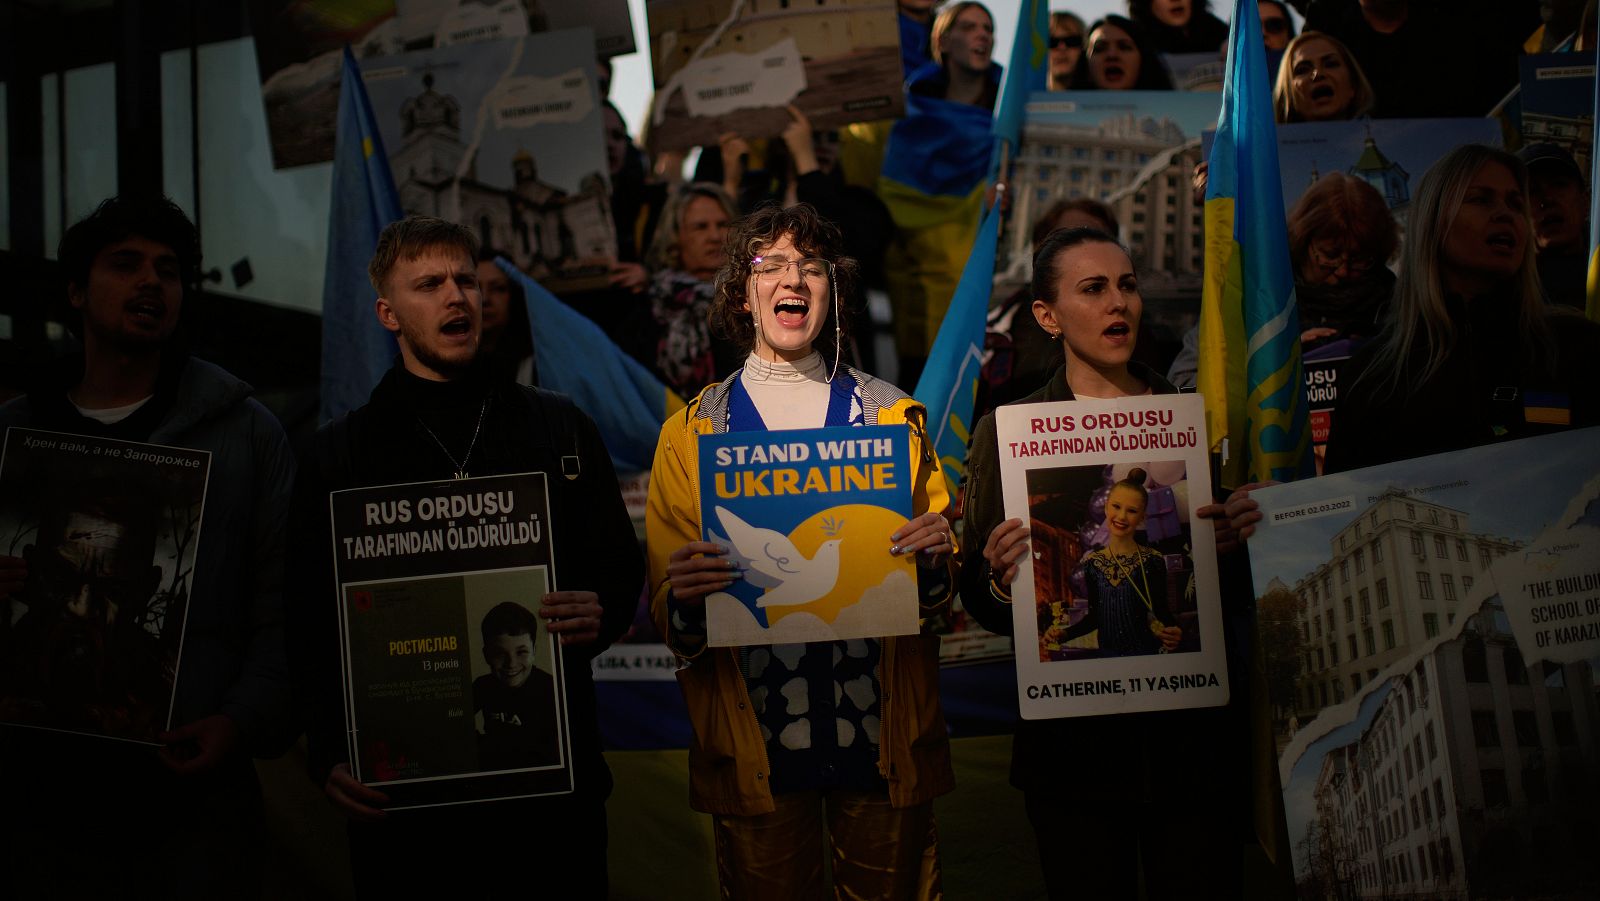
<point>1431,629</point>
<point>109,531</point>
<point>725,66</point>
<point>453,686</point>
<point>808,514</point>
<point>1116,609</point>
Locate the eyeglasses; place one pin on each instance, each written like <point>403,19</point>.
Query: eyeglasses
<point>1348,261</point>
<point>812,270</point>
<point>1274,26</point>
<point>1072,41</point>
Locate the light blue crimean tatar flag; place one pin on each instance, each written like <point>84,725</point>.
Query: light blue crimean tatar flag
<point>356,349</point>
<point>1250,368</point>
<point>949,383</point>
<point>627,403</point>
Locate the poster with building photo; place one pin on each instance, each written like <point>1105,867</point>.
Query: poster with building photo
<point>1431,631</point>
<point>734,65</point>
<point>504,137</point>
<point>1557,102</point>
<point>298,48</point>
<point>1116,610</point>
<point>807,515</point>
<point>453,685</point>
<point>1134,151</point>
<point>109,532</point>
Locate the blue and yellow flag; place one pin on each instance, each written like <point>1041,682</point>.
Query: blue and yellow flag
<point>949,383</point>
<point>1594,212</point>
<point>627,403</point>
<point>935,173</point>
<point>1250,369</point>
<point>356,349</point>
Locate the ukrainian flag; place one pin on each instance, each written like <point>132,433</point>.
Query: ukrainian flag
<point>356,349</point>
<point>578,359</point>
<point>1250,369</point>
<point>935,172</point>
<point>949,382</point>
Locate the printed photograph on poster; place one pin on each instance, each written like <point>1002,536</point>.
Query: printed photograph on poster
<point>1389,154</point>
<point>1431,630</point>
<point>453,684</point>
<point>1134,151</point>
<point>298,47</point>
<point>722,66</point>
<point>807,515</point>
<point>1199,72</point>
<point>1116,609</point>
<point>109,532</point>
<point>1557,101</point>
<point>504,137</point>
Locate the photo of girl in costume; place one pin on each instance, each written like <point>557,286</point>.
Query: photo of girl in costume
<point>1119,583</point>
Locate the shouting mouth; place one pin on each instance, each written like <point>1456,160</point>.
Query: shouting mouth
<point>1503,241</point>
<point>1117,332</point>
<point>459,327</point>
<point>790,312</point>
<point>147,310</point>
<point>1322,93</point>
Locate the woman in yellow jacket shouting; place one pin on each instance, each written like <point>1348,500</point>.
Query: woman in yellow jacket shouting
<point>790,739</point>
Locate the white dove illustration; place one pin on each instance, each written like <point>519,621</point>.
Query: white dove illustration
<point>773,563</point>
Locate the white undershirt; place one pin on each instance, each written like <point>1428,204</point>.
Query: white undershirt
<point>112,415</point>
<point>788,395</point>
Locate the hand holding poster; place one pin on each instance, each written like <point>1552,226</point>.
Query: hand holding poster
<point>453,684</point>
<point>807,515</point>
<point>108,532</point>
<point>1116,609</point>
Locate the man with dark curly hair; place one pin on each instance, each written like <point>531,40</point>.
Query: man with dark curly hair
<point>184,821</point>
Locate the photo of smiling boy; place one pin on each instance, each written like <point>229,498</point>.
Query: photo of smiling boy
<point>514,705</point>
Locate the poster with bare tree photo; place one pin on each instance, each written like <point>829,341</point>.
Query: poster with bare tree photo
<point>109,532</point>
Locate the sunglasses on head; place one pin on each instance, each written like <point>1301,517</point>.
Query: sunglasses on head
<point>1274,26</point>
<point>1073,41</point>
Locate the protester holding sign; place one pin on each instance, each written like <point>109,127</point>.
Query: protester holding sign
<point>792,736</point>
<point>1150,793</point>
<point>443,411</point>
<point>183,820</point>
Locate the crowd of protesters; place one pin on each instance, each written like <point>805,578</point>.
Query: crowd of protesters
<point>744,289</point>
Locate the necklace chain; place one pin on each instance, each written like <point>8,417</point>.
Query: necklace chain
<point>460,467</point>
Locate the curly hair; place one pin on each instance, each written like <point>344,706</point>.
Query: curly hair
<point>812,235</point>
